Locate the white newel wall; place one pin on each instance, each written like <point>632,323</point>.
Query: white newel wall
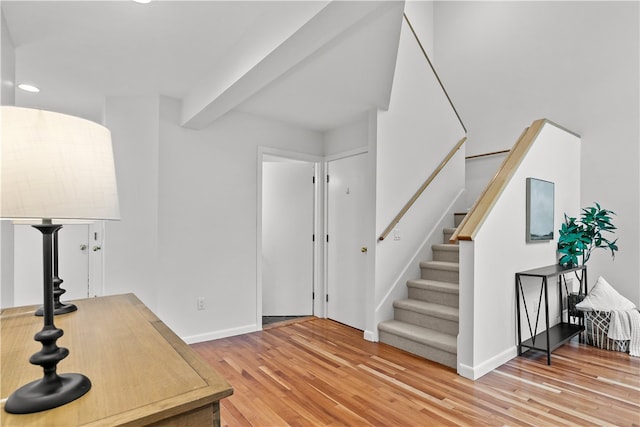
<point>488,334</point>
<point>413,137</point>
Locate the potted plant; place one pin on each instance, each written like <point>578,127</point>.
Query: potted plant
<point>579,237</point>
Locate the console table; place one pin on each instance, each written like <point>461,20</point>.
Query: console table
<point>141,372</point>
<point>552,337</point>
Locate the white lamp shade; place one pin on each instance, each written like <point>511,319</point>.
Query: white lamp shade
<point>55,166</point>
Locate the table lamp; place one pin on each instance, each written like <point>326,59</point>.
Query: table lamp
<point>59,307</point>
<point>55,169</point>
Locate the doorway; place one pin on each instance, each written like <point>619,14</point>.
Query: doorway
<point>347,196</point>
<point>79,262</point>
<point>287,237</point>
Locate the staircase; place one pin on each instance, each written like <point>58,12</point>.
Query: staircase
<point>426,323</point>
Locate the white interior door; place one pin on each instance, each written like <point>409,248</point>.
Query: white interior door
<point>73,263</point>
<point>287,231</point>
<point>346,262</point>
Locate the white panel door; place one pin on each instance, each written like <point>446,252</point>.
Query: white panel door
<point>73,263</point>
<point>287,231</point>
<point>346,263</point>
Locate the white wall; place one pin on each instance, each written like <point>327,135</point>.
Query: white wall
<point>413,137</point>
<point>421,15</point>
<point>487,336</point>
<point>7,97</point>
<point>6,265</point>
<point>348,137</point>
<point>478,173</point>
<point>188,214</point>
<point>576,63</point>
<point>8,64</point>
<point>208,219</point>
<point>131,245</point>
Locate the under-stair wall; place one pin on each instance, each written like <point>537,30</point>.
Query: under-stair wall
<point>495,248</point>
<point>412,138</point>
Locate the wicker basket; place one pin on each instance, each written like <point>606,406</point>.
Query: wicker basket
<point>597,328</point>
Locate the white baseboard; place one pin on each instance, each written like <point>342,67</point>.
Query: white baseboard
<point>371,336</point>
<point>214,335</point>
<point>475,372</point>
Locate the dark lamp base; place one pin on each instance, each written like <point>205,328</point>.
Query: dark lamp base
<point>60,308</point>
<point>41,394</point>
<point>52,390</point>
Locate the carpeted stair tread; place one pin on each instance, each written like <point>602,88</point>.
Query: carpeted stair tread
<point>440,265</point>
<point>434,285</point>
<point>428,308</point>
<point>421,335</point>
<point>449,230</point>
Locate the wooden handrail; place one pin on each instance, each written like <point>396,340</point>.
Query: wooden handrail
<point>478,213</point>
<point>423,187</point>
<point>493,153</point>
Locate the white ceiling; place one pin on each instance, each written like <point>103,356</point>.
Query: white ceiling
<point>347,77</point>
<point>79,52</point>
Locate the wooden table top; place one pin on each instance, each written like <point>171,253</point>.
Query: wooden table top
<point>141,372</point>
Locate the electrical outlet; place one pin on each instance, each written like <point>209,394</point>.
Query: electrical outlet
<point>200,303</point>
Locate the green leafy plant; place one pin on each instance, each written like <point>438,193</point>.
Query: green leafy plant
<point>578,238</point>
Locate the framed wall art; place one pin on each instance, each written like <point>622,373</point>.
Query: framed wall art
<point>540,205</point>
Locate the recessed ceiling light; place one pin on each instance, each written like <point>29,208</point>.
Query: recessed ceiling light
<point>28,88</point>
<point>142,1</point>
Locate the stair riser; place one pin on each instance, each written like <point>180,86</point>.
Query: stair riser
<point>458,218</point>
<point>446,236</point>
<point>447,256</point>
<point>423,350</point>
<point>440,275</point>
<point>444,298</point>
<point>426,321</point>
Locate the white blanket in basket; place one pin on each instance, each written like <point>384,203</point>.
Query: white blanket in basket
<point>625,325</point>
<point>625,318</point>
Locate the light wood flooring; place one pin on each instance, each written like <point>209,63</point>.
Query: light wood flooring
<point>316,372</point>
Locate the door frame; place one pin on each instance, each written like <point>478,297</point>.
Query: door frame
<point>317,224</point>
<point>97,234</point>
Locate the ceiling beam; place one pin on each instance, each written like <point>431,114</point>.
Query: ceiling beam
<point>210,99</point>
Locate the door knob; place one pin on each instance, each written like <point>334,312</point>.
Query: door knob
<point>364,249</point>
<point>96,248</point>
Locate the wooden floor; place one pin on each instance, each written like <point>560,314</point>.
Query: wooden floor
<point>318,372</point>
